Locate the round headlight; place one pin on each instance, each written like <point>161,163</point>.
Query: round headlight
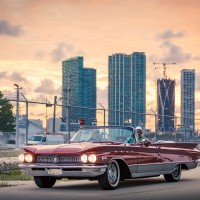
<point>84,158</point>
<point>28,158</point>
<point>92,158</point>
<point>21,157</point>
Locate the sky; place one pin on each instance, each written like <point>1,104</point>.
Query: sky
<point>35,36</point>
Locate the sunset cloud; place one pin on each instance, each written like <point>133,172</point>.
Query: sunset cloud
<point>175,53</point>
<point>46,86</point>
<point>169,34</point>
<point>14,76</point>
<point>63,51</point>
<point>10,30</point>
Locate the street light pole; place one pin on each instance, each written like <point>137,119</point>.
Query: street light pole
<point>26,141</point>
<point>104,114</point>
<point>17,115</point>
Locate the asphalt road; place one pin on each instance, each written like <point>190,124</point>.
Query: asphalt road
<point>188,188</point>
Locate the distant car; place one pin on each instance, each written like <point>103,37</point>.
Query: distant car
<point>45,139</point>
<point>103,154</point>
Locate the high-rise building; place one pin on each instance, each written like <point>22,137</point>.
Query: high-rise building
<point>127,89</point>
<point>188,99</point>
<point>89,94</point>
<point>166,104</point>
<point>78,90</point>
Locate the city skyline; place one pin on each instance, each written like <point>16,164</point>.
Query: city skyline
<point>36,36</point>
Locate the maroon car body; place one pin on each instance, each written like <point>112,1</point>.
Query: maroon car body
<point>104,154</point>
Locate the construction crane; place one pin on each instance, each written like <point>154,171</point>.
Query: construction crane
<point>164,67</point>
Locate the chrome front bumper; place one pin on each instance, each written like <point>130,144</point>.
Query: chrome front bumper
<point>84,171</point>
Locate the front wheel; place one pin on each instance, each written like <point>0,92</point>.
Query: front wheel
<point>175,175</point>
<point>44,181</point>
<point>110,179</point>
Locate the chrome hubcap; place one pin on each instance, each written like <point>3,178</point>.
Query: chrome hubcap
<point>176,171</point>
<point>112,173</point>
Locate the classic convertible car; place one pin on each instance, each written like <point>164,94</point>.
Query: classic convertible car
<point>104,154</point>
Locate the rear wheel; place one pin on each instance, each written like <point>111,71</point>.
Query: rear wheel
<point>44,181</point>
<point>175,175</point>
<point>110,179</point>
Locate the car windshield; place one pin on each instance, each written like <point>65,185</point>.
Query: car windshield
<point>104,134</point>
<point>35,138</point>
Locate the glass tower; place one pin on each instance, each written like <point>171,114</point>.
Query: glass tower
<point>78,89</point>
<point>127,89</point>
<point>165,103</point>
<point>188,99</point>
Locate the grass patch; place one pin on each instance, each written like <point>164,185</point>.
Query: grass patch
<point>14,175</point>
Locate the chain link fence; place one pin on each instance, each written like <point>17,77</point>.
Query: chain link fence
<point>46,117</point>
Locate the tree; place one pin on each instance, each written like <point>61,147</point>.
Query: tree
<point>7,119</point>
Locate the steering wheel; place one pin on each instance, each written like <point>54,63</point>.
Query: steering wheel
<point>121,138</point>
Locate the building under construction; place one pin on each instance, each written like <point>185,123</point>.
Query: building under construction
<point>166,104</point>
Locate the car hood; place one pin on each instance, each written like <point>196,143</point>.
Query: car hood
<point>63,149</point>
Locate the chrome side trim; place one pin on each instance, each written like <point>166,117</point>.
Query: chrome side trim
<point>150,174</point>
<point>141,170</point>
<point>156,167</point>
<point>167,168</point>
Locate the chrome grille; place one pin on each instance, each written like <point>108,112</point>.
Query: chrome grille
<point>70,159</point>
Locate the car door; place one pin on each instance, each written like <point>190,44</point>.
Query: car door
<point>171,157</point>
<point>149,160</point>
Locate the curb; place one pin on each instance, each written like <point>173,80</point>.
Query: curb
<point>15,183</point>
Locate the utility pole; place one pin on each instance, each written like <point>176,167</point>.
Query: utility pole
<point>155,125</point>
<point>27,123</point>
<point>131,116</point>
<point>175,127</point>
<point>104,114</point>
<point>48,104</point>
<point>46,115</point>
<point>54,114</point>
<point>66,103</point>
<point>17,115</point>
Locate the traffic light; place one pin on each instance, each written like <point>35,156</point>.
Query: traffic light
<point>82,121</point>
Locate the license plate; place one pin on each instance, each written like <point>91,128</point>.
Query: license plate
<point>55,171</point>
